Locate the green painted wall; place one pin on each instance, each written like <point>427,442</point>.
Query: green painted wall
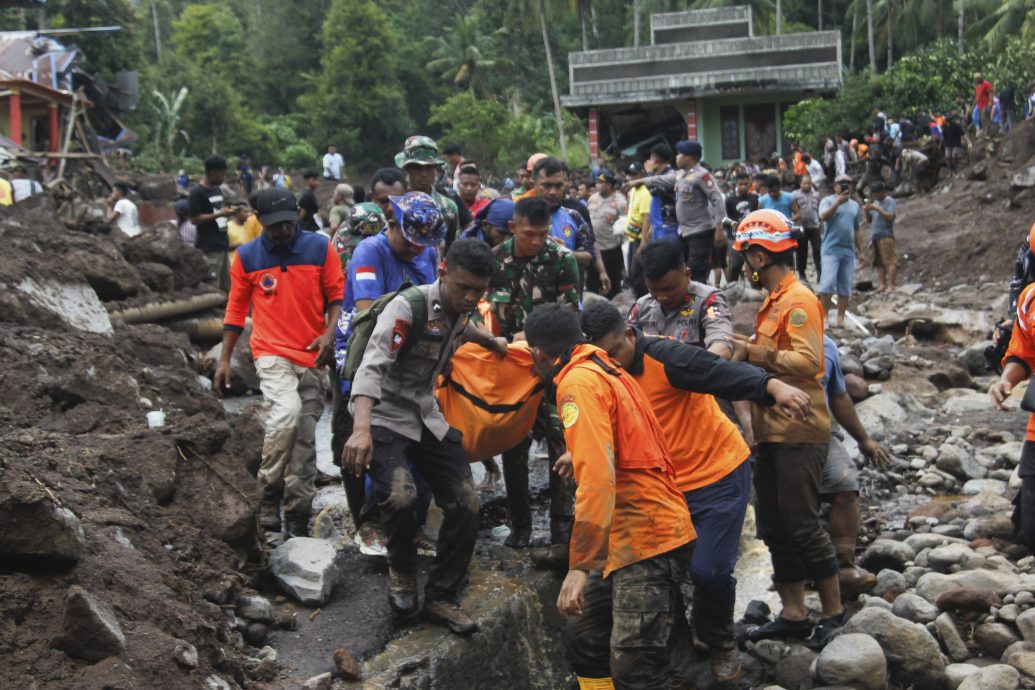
<point>709,131</point>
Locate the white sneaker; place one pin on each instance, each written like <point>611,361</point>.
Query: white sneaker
<point>371,541</point>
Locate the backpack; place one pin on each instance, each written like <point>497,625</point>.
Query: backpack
<point>363,326</point>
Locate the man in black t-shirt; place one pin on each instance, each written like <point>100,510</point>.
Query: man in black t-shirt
<point>953,137</point>
<point>738,205</point>
<point>308,208</point>
<point>209,214</point>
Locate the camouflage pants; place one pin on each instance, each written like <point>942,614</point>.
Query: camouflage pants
<point>633,626</point>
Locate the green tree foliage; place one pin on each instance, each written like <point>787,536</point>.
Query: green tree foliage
<point>212,37</point>
<point>356,100</point>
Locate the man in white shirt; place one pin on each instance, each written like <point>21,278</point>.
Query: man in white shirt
<point>333,164</point>
<point>123,212</point>
<point>21,186</point>
<point>816,172</point>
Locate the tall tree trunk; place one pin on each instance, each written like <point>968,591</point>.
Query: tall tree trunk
<point>869,34</point>
<point>593,23</point>
<point>959,29</point>
<point>582,22</point>
<point>819,14</point>
<point>851,55</point>
<point>636,23</point>
<point>158,34</point>
<point>779,16</point>
<point>891,26</point>
<point>553,83</point>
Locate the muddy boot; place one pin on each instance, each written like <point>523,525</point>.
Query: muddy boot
<point>725,664</point>
<point>519,505</point>
<point>295,525</point>
<point>450,615</point>
<point>552,557</point>
<point>519,537</point>
<point>492,478</point>
<point>269,512</point>
<point>853,579</point>
<point>402,592</point>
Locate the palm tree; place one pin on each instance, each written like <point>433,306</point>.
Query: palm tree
<point>536,10</point>
<point>761,10</point>
<point>999,20</point>
<point>461,55</point>
<point>869,35</point>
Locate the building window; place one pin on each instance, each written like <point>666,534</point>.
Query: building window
<point>729,117</point>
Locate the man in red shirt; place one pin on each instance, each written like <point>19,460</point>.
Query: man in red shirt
<point>983,98</point>
<point>292,282</point>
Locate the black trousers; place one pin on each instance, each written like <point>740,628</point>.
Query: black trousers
<point>633,625</point>
<point>1024,502</point>
<point>813,238</point>
<point>697,251</point>
<point>636,280</point>
<point>445,466</point>
<point>341,429</point>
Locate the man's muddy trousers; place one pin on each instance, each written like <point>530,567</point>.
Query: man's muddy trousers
<point>445,466</point>
<point>633,626</point>
<point>296,396</point>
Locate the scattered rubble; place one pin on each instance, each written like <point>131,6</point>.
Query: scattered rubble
<point>304,568</point>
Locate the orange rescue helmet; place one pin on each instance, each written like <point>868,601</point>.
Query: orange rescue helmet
<point>766,228</point>
<point>1031,236</point>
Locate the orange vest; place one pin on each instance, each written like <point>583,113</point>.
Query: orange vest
<point>1022,342</point>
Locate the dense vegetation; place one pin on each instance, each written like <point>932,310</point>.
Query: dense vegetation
<point>279,79</point>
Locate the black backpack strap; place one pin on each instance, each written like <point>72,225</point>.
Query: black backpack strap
<point>419,316</point>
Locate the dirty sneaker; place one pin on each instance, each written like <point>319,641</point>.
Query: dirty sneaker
<point>450,615</point>
<point>780,627</point>
<point>269,513</point>
<point>725,664</point>
<point>492,478</point>
<point>827,630</point>
<point>402,592</point>
<point>425,545</point>
<point>371,541</point>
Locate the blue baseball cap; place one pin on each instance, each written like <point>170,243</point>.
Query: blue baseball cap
<point>689,147</point>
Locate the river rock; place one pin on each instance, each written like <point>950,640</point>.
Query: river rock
<point>879,602</point>
<point>1021,655</point>
<point>914,608</point>
<point>933,585</point>
<point>989,527</point>
<point>929,540</point>
<point>305,569</point>
<point>994,638</point>
<point>887,553</point>
<point>941,558</point>
<point>320,682</point>
<point>795,669</point>
<point>37,534</point>
<point>1026,624</point>
<point>957,673</point>
<point>854,660</point>
<point>959,463</point>
<point>879,367</point>
<point>951,638</point>
<point>185,654</point>
<point>965,403</point>
<point>912,654</point>
<point>973,358</point>
<point>856,387</point>
<point>255,608</point>
<point>977,486</point>
<point>995,677</point>
<point>90,629</point>
<point>890,581</point>
<point>878,413</point>
<point>985,504</point>
<point>951,376</point>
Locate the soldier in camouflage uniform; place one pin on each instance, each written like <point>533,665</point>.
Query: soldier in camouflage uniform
<point>362,220</point>
<point>419,160</point>
<point>531,270</point>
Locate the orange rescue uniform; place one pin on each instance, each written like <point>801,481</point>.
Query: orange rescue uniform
<point>627,505</point>
<point>1021,349</point>
<point>788,342</point>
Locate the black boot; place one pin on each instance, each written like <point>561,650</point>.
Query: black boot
<point>402,592</point>
<point>269,512</point>
<point>295,525</point>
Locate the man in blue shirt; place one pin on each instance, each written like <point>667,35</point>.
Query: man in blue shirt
<point>776,199</point>
<point>841,241</point>
<point>840,483</point>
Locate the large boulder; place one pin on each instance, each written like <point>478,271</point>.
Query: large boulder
<point>90,631</point>
<point>995,677</point>
<point>912,654</point>
<point>37,533</point>
<point>1026,624</point>
<point>887,553</point>
<point>1021,655</point>
<point>959,463</point>
<point>932,585</point>
<point>914,608</point>
<point>853,660</point>
<point>305,569</point>
<point>880,413</point>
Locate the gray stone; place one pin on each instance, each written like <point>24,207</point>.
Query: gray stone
<point>989,527</point>
<point>1024,179</point>
<point>973,358</point>
<point>914,608</point>
<point>913,573</point>
<point>255,608</point>
<point>320,682</point>
<point>912,654</point>
<point>890,581</point>
<point>986,504</point>
<point>37,534</point>
<point>878,602</point>
<point>305,569</point>
<point>933,585</point>
<point>90,629</point>
<point>941,558</point>
<point>854,660</point>
<point>957,673</point>
<point>967,402</point>
<point>1024,598</point>
<point>959,463</point>
<point>1008,613</point>
<point>878,367</point>
<point>1021,655</point>
<point>879,413</point>
<point>996,677</point>
<point>794,669</point>
<point>994,638</point>
<point>951,638</point>
<point>977,486</point>
<point>887,553</point>
<point>185,654</point>
<point>1026,624</point>
<point>215,682</point>
<point>930,540</point>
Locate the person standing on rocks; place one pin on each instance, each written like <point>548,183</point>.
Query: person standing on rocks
<point>710,460</point>
<point>632,527</point>
<point>881,214</point>
<point>293,317</point>
<point>806,200</point>
<point>1017,367</point>
<point>841,243</point>
<point>209,214</point>
<point>397,422</point>
<point>790,455</point>
<point>122,212</point>
<point>840,482</point>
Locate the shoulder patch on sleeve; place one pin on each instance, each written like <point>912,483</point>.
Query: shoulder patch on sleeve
<point>400,330</point>
<point>798,317</point>
<point>569,414</point>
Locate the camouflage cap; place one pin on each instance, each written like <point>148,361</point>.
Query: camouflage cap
<point>418,150</point>
<point>419,218</point>
<point>366,219</point>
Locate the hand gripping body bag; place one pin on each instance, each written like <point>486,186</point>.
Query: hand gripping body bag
<point>492,400</point>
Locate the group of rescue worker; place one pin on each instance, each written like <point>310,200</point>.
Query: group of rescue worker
<point>640,411</point>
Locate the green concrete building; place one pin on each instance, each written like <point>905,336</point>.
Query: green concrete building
<point>705,76</point>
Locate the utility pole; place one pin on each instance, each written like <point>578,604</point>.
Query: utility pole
<point>158,33</point>
<point>869,35</point>
<point>636,23</point>
<point>779,17</point>
<point>959,29</point>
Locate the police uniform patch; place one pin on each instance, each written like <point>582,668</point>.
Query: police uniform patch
<point>798,317</point>
<point>687,312</point>
<point>569,414</point>
<point>400,330</point>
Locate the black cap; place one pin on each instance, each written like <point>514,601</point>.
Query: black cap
<point>276,205</point>
<point>635,168</point>
<point>606,176</point>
